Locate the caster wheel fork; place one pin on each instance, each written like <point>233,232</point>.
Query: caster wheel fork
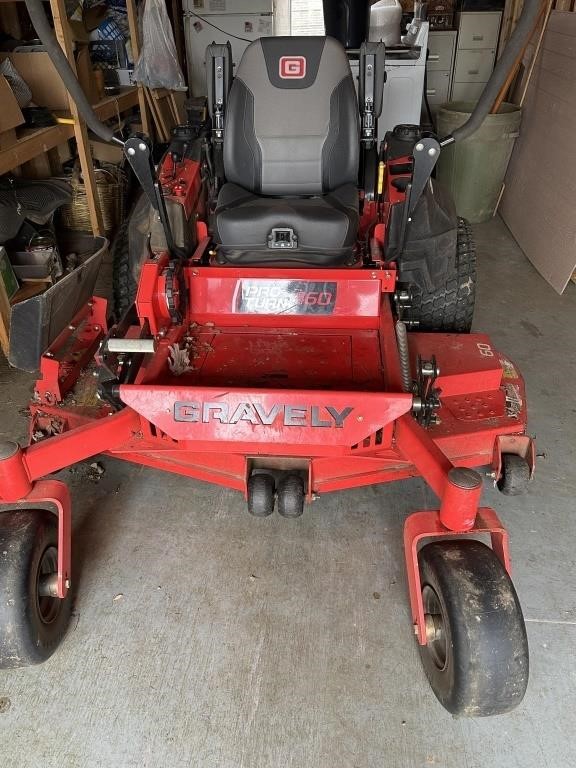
<point>476,652</point>
<point>466,614</point>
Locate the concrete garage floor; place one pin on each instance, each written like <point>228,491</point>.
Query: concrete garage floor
<point>272,643</point>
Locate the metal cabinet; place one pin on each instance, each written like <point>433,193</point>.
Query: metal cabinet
<point>473,66</point>
<point>466,91</point>
<point>475,53</point>
<point>478,29</point>
<point>437,88</point>
<point>441,47</point>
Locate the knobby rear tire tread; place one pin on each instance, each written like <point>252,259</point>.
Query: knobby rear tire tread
<point>450,308</point>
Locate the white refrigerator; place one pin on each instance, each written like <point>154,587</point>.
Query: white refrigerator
<point>217,21</point>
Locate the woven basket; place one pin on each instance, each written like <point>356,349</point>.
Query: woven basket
<point>111,185</point>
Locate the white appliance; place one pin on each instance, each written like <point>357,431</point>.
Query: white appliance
<point>404,86</point>
<point>217,21</point>
<point>385,21</point>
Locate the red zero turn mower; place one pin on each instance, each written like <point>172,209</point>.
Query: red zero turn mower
<point>297,332</point>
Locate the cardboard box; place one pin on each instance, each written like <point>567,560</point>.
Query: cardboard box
<point>106,153</point>
<point>538,201</point>
<point>47,88</point>
<point>10,115</point>
<point>91,18</point>
<point>85,74</point>
<point>63,152</point>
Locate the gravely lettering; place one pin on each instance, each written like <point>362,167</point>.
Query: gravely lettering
<point>285,415</point>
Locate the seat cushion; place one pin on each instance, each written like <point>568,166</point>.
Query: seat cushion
<point>325,227</point>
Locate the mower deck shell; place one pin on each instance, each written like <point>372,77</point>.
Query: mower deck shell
<point>297,383</point>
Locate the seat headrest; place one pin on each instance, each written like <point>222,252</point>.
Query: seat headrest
<point>292,118</point>
<point>294,62</point>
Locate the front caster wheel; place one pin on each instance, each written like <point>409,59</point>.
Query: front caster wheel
<point>515,475</point>
<point>32,621</point>
<point>476,655</point>
<point>261,495</point>
<point>291,496</point>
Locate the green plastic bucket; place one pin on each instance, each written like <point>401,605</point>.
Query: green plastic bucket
<point>474,169</point>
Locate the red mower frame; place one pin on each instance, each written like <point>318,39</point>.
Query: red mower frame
<point>193,423</point>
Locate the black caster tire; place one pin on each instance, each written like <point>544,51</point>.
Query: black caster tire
<point>515,475</point>
<point>476,657</point>
<point>261,495</point>
<point>291,496</point>
<point>31,624</point>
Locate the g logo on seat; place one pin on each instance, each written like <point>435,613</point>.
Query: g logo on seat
<point>292,67</point>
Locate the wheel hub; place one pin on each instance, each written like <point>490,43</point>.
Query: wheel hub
<point>435,627</point>
<point>48,602</point>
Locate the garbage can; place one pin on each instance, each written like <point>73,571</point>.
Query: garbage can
<point>347,21</point>
<point>474,169</point>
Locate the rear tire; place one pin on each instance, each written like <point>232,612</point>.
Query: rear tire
<point>123,280</point>
<point>32,624</point>
<point>476,656</point>
<point>450,307</point>
<point>130,249</point>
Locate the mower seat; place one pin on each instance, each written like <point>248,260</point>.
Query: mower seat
<point>291,153</point>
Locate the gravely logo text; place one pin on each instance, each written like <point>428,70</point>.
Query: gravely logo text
<point>255,413</point>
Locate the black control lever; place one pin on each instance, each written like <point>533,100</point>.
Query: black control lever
<point>425,155</point>
<point>138,152</point>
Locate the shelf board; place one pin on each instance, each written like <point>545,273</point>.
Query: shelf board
<point>34,142</point>
<point>111,105</point>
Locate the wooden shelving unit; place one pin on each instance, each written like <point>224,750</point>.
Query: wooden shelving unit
<point>32,143</point>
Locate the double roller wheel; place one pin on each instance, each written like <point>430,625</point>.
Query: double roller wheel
<point>262,493</point>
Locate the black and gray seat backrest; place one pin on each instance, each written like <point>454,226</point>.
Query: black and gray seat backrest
<point>292,118</point>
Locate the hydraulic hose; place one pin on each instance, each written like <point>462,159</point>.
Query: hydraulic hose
<point>519,38</point>
<point>46,35</point>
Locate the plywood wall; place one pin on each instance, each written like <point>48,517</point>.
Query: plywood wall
<point>540,194</point>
